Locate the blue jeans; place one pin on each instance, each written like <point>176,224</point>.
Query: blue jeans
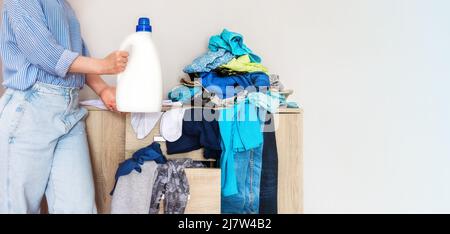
<point>44,150</point>
<point>248,171</point>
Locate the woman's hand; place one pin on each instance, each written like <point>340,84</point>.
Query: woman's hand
<point>114,63</point>
<point>108,96</point>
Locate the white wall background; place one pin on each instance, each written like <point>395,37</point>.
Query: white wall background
<point>182,29</point>
<point>372,75</point>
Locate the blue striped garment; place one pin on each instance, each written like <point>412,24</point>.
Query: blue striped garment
<point>39,41</point>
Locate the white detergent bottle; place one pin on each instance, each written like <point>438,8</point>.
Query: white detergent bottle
<point>139,87</point>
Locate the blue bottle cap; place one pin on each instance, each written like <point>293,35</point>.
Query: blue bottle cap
<point>144,25</point>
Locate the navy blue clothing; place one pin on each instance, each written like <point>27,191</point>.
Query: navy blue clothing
<point>150,153</point>
<point>268,199</point>
<point>226,87</point>
<point>200,130</point>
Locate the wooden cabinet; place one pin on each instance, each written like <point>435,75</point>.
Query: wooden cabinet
<point>112,140</point>
<point>106,137</point>
<point>289,133</point>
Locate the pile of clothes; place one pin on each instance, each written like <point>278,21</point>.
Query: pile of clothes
<point>227,74</point>
<point>232,98</point>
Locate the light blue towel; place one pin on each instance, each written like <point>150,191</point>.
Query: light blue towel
<point>209,61</point>
<point>270,101</point>
<point>183,94</point>
<point>234,43</point>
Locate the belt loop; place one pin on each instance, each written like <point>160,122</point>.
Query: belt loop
<point>71,98</point>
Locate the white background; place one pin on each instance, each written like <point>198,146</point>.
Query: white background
<point>372,76</point>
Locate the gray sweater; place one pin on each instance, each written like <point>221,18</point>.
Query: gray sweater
<point>133,192</point>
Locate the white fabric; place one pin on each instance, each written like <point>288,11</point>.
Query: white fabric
<point>95,103</point>
<point>143,123</point>
<point>170,103</point>
<point>171,126</point>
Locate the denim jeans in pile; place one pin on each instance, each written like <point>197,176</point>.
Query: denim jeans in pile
<point>248,173</point>
<point>43,150</point>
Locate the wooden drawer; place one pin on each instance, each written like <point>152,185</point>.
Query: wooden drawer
<point>205,183</point>
<point>205,191</point>
<point>133,144</point>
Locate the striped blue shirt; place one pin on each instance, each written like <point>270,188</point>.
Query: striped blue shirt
<point>39,41</point>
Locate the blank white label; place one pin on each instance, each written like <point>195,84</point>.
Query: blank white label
<point>159,139</point>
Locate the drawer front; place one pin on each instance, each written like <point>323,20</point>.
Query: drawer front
<point>133,144</point>
<point>204,183</point>
<point>205,191</point>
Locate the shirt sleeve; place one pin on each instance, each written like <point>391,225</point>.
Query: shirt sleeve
<point>35,40</point>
